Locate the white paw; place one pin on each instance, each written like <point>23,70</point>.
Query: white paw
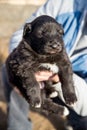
<point>38,105</point>
<point>66,111</point>
<point>69,128</point>
<point>54,94</point>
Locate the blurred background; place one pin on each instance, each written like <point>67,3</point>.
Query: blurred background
<point>13,13</point>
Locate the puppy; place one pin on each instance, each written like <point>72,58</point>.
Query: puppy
<point>41,48</point>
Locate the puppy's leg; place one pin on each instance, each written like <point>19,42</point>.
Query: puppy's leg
<point>52,108</point>
<point>32,90</point>
<point>67,85</point>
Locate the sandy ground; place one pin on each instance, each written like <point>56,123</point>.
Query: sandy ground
<point>11,18</point>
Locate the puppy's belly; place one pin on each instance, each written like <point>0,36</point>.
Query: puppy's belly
<point>52,67</point>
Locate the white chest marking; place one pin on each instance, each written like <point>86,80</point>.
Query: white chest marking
<point>52,67</point>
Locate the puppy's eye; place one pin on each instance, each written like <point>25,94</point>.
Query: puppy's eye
<point>39,34</point>
<point>61,31</point>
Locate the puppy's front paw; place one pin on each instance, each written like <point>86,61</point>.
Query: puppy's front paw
<point>66,111</point>
<point>54,94</point>
<point>70,98</point>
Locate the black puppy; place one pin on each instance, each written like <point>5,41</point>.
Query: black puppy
<point>41,48</point>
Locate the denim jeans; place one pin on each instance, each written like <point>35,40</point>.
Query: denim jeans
<point>18,108</point>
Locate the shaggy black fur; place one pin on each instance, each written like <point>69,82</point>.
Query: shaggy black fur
<point>41,43</point>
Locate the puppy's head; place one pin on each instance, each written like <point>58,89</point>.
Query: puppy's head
<point>44,35</point>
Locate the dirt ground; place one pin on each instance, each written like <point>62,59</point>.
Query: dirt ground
<point>11,18</point>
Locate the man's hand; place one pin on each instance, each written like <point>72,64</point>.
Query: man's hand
<point>42,76</point>
<point>46,75</point>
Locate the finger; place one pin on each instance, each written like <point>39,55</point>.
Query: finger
<point>43,75</point>
<point>17,90</point>
<point>41,85</point>
<point>40,78</point>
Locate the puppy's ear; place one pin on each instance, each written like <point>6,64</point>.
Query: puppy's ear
<point>27,29</point>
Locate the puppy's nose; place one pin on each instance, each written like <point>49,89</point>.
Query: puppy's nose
<point>54,45</point>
